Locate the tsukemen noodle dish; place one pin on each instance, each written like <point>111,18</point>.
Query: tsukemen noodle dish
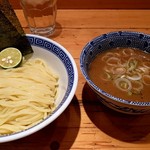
<point>122,72</point>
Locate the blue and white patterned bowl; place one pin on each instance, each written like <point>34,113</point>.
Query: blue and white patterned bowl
<point>61,61</point>
<point>106,42</point>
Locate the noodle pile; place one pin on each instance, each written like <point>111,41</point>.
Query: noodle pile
<point>27,95</point>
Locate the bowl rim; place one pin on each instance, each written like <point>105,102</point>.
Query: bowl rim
<point>58,112</point>
<point>95,87</point>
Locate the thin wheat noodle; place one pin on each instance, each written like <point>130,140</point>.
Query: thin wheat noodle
<point>27,95</point>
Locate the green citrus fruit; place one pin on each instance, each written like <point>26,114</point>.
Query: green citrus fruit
<point>10,57</point>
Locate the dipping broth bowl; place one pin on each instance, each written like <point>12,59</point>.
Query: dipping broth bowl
<point>105,42</point>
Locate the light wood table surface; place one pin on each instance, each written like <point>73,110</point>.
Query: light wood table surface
<point>87,124</point>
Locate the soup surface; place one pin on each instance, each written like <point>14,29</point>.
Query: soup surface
<point>122,72</point>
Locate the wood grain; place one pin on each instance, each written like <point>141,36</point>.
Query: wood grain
<point>96,4</point>
<point>87,124</point>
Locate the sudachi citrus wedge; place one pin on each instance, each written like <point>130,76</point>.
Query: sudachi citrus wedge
<point>10,57</point>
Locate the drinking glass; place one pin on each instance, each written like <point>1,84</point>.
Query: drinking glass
<point>40,15</point>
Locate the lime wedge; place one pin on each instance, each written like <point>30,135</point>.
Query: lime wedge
<point>10,57</point>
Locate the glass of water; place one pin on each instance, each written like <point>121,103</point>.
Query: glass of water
<point>40,15</point>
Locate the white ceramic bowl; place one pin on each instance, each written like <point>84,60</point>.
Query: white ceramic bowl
<point>61,61</point>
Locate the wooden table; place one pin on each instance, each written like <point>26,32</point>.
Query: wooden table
<point>86,123</point>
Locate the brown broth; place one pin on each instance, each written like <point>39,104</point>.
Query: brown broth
<point>101,73</point>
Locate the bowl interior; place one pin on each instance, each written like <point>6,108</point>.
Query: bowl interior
<point>54,62</point>
<point>61,62</point>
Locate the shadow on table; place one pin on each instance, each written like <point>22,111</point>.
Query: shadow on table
<point>117,125</point>
<point>58,135</point>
